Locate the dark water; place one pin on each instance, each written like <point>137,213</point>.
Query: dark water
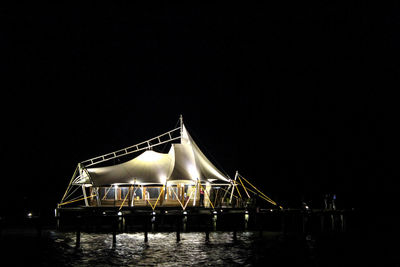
<point>160,250</point>
<point>250,249</point>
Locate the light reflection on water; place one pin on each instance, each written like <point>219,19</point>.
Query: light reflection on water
<point>162,249</point>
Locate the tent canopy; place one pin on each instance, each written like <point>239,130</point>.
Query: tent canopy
<point>183,163</point>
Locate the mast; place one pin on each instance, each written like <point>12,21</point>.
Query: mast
<point>181,126</point>
<point>233,186</point>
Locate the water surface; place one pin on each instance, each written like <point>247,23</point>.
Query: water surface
<point>250,249</point>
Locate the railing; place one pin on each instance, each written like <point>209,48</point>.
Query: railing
<point>155,141</point>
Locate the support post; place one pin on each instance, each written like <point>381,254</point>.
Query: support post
<point>70,183</point>
<point>195,193</point>
<point>178,229</point>
<point>145,229</point>
<point>233,186</point>
<point>97,196</point>
<point>207,233</point>
<point>234,230</point>
<point>78,237</point>
<point>114,240</point>
<point>85,196</point>
<point>226,192</point>
<point>78,232</point>
<point>181,126</point>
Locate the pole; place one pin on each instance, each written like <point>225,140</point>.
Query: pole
<point>83,187</point>
<point>178,229</point>
<point>145,229</point>
<point>195,193</point>
<point>114,234</point>
<point>233,186</point>
<point>234,221</point>
<point>240,180</point>
<point>78,232</point>
<point>181,126</point>
<point>226,191</point>
<point>207,231</point>
<point>70,182</point>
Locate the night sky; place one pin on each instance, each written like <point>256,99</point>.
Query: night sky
<point>300,98</point>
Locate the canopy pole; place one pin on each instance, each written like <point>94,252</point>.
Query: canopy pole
<point>162,190</point>
<point>181,126</point>
<point>85,196</point>
<point>133,195</point>
<point>106,193</point>
<point>127,194</point>
<point>273,202</point>
<point>65,203</point>
<point>195,193</point>
<point>97,196</point>
<point>191,193</point>
<point>233,187</point>
<point>208,196</point>
<point>132,191</point>
<point>216,197</point>
<point>240,180</point>
<point>71,193</point>
<point>259,195</point>
<point>178,199</point>
<point>226,191</point>
<point>69,185</point>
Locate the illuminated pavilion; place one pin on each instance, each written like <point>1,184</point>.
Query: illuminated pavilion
<point>154,179</point>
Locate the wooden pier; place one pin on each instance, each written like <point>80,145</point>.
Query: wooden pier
<point>115,221</point>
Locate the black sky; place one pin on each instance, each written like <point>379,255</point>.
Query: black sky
<point>299,98</point>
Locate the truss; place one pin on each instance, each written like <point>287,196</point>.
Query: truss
<point>81,174</point>
<point>155,141</point>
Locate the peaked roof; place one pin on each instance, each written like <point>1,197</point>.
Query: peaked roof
<point>184,162</point>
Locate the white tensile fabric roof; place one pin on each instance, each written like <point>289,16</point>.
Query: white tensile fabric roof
<point>184,162</point>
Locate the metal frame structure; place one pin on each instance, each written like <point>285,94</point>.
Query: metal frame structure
<point>167,137</point>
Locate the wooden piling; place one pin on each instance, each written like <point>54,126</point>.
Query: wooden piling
<point>78,237</point>
<point>78,232</point>
<point>235,229</point>
<point>145,230</point>
<point>114,241</point>
<point>178,229</point>
<point>208,230</point>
